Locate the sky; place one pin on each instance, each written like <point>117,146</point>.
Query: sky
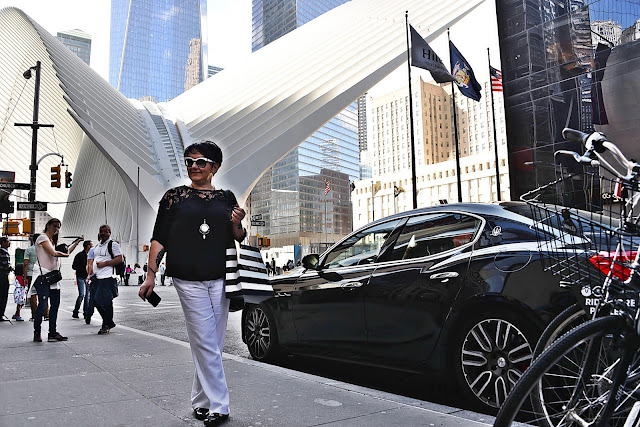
<point>229,24</point>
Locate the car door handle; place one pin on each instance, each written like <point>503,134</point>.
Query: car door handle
<point>351,285</point>
<point>445,275</point>
<point>283,294</point>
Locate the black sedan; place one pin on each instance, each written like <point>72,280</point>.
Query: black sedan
<point>456,290</point>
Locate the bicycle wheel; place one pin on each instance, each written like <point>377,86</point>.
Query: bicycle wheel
<point>571,317</point>
<point>570,383</point>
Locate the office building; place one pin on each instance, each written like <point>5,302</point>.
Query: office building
<point>290,196</point>
<point>272,19</point>
<point>390,148</point>
<point>556,74</point>
<point>158,47</point>
<point>78,42</point>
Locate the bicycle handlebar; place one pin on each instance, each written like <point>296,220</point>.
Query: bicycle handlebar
<point>596,144</point>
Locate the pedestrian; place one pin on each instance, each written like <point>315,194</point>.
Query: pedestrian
<point>161,270</point>
<point>106,282</point>
<point>80,267</point>
<point>47,261</point>
<point>268,267</point>
<point>273,266</point>
<point>123,272</point>
<point>19,293</point>
<point>90,289</point>
<point>5,269</point>
<point>27,274</point>
<point>127,274</point>
<point>196,224</point>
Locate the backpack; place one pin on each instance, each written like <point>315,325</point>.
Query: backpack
<point>118,268</point>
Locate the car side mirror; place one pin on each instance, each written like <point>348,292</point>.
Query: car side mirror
<point>310,262</point>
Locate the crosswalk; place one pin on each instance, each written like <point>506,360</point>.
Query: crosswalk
<point>141,307</point>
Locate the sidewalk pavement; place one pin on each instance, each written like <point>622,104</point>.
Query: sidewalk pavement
<point>135,378</point>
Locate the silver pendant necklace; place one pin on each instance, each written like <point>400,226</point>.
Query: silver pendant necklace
<point>204,229</point>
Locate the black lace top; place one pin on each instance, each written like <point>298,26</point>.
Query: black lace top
<point>195,228</point>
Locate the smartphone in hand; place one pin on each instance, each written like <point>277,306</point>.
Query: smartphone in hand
<point>154,299</point>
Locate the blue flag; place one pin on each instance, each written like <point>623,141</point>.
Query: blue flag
<point>463,75</point>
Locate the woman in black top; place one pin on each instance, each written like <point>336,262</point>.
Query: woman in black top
<point>195,225</point>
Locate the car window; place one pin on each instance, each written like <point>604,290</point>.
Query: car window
<point>434,233</point>
<point>361,248</point>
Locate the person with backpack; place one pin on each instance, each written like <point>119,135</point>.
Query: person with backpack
<point>196,224</point>
<point>80,267</point>
<point>108,262</point>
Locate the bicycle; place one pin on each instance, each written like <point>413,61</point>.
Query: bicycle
<point>589,376</point>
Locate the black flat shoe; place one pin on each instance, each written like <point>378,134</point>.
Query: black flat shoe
<point>214,419</point>
<point>200,413</point>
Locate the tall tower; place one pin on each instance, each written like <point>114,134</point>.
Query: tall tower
<point>153,44</point>
<point>78,42</point>
<point>290,196</point>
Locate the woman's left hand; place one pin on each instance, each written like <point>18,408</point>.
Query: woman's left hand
<point>237,215</point>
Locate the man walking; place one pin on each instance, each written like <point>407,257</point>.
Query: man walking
<point>5,269</point>
<point>106,285</point>
<point>80,266</point>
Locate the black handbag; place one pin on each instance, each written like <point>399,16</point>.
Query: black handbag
<point>51,278</point>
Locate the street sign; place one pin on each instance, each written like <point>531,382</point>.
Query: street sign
<point>257,217</point>
<point>32,206</point>
<point>258,223</point>
<point>15,186</point>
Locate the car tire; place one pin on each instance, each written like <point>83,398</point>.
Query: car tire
<point>260,333</point>
<point>492,349</point>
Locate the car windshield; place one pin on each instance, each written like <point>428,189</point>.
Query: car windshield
<point>360,248</point>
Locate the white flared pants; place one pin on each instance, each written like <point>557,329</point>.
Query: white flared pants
<point>206,310</point>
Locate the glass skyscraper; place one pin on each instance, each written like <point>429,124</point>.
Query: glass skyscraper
<point>158,47</point>
<point>78,42</point>
<point>290,196</point>
<point>273,19</point>
<point>566,63</point>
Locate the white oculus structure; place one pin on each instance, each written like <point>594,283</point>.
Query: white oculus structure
<point>257,110</point>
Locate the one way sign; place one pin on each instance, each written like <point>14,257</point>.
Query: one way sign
<point>32,206</point>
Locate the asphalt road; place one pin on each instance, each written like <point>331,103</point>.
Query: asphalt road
<point>167,319</point>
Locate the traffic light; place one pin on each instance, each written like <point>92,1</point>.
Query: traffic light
<point>55,176</point>
<point>260,239</point>
<point>67,179</point>
<point>266,241</point>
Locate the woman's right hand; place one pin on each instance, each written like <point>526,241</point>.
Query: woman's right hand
<point>147,287</point>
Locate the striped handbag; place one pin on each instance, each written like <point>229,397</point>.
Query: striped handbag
<point>246,276</point>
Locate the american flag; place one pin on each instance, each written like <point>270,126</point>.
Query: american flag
<point>496,79</point>
<point>327,188</point>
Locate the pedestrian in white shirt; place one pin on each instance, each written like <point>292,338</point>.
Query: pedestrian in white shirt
<point>106,285</point>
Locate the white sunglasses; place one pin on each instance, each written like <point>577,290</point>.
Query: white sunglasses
<point>201,162</point>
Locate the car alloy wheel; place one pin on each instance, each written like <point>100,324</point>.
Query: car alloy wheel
<point>259,333</point>
<point>495,354</point>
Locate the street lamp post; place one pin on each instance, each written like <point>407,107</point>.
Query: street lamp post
<point>34,136</point>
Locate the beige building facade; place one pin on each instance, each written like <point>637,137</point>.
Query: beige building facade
<point>389,146</point>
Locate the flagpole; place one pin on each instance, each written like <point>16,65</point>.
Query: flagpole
<point>455,128</point>
<point>414,185</point>
<point>326,241</point>
<point>495,133</point>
